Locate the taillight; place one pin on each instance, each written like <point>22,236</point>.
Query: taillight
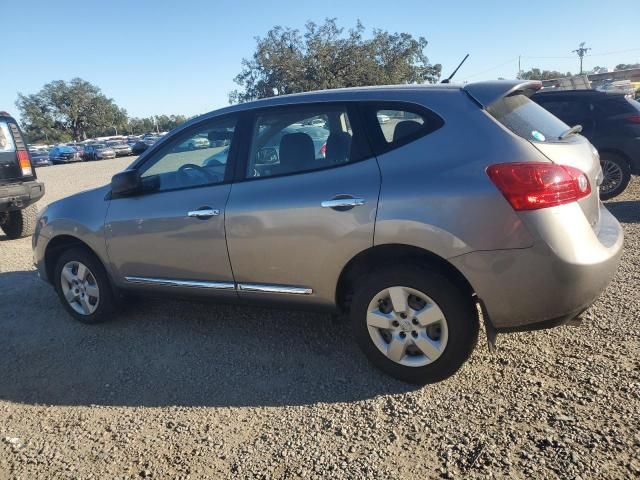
<point>533,185</point>
<point>633,119</point>
<point>323,150</point>
<point>25,163</point>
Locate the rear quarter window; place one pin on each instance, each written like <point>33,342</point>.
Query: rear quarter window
<point>6,140</point>
<point>393,124</point>
<point>527,119</point>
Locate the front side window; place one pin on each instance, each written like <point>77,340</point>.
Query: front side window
<point>294,140</point>
<point>196,158</point>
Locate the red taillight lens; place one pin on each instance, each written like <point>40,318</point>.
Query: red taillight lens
<point>323,150</point>
<point>25,163</point>
<point>633,119</point>
<point>533,185</point>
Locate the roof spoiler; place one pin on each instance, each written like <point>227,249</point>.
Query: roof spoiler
<point>486,93</point>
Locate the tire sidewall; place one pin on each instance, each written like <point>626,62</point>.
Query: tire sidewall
<point>106,305</point>
<point>459,311</point>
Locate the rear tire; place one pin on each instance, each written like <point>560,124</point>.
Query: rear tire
<point>617,174</point>
<point>20,223</point>
<point>83,286</point>
<point>438,314</point>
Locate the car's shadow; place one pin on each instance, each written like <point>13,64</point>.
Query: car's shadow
<point>162,352</point>
<point>625,211</point>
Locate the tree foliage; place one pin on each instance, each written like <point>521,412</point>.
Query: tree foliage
<point>64,110</point>
<point>537,74</point>
<point>627,66</point>
<point>325,56</point>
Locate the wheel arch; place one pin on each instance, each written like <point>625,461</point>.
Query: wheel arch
<point>379,255</point>
<point>57,245</point>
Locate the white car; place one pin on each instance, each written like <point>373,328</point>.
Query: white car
<point>382,118</point>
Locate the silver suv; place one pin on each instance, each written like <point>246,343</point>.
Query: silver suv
<point>418,210</point>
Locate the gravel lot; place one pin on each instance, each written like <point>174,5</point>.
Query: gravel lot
<point>173,389</point>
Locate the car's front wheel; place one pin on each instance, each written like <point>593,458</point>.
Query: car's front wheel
<point>84,289</point>
<point>616,174</point>
<point>414,324</point>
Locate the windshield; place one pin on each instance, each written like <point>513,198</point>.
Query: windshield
<point>527,119</point>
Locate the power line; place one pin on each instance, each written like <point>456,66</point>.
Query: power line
<point>492,68</point>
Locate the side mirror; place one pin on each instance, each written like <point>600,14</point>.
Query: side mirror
<point>126,183</point>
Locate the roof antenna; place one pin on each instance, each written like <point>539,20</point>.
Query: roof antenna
<point>448,80</point>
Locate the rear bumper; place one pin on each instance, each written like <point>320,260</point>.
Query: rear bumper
<point>565,271</point>
<point>17,196</point>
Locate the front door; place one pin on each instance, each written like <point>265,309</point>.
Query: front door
<point>305,206</point>
<point>172,235</point>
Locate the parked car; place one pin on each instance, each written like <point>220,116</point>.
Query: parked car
<point>39,158</point>
<point>98,151</point>
<point>121,149</point>
<point>196,142</point>
<point>611,122</point>
<point>410,235</point>
<point>64,154</point>
<point>142,145</point>
<point>19,188</point>
<point>382,118</point>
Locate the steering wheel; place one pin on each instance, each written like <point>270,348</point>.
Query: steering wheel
<point>186,174</point>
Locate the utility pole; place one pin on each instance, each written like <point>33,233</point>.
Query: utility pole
<point>581,51</point>
<point>519,69</point>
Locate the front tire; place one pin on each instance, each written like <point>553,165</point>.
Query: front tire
<point>414,324</point>
<point>83,287</point>
<point>617,174</point>
<point>20,223</point>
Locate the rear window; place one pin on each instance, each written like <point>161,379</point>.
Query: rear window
<point>527,119</point>
<point>6,140</point>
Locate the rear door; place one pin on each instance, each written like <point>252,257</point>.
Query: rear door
<point>302,206</point>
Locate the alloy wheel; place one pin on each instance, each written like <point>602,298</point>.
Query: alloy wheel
<point>612,176</point>
<point>79,287</point>
<point>407,326</point>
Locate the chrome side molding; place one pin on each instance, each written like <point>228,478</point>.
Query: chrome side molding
<point>244,287</point>
<point>168,282</point>
<point>259,287</point>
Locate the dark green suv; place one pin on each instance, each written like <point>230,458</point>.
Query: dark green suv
<point>19,189</point>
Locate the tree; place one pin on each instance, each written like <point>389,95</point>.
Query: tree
<point>537,74</point>
<point>627,66</point>
<point>324,57</point>
<point>74,109</point>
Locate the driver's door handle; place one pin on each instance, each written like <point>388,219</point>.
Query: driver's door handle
<point>204,213</point>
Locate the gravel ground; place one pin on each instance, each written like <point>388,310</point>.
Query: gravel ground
<point>173,389</point>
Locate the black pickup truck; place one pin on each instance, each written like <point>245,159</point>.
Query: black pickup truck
<point>19,189</point>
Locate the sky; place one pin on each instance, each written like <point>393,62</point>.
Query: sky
<point>180,57</point>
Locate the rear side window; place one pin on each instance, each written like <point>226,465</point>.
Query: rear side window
<point>527,119</point>
<point>617,106</point>
<point>391,125</point>
<point>6,140</point>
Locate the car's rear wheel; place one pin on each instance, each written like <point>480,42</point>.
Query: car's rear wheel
<point>414,324</point>
<point>20,223</point>
<point>83,286</point>
<point>616,175</point>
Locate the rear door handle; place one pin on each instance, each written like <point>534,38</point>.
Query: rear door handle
<point>204,213</point>
<point>344,203</point>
